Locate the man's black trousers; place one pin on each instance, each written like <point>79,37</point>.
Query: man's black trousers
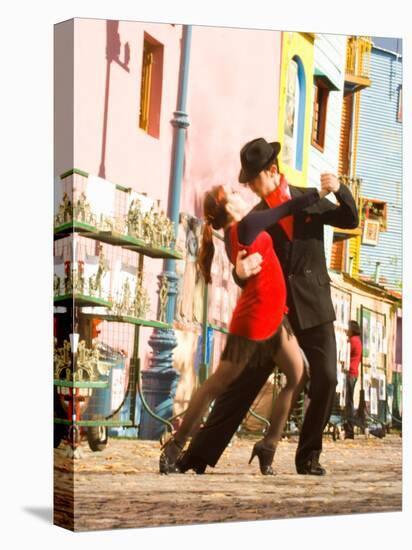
<point>231,407</point>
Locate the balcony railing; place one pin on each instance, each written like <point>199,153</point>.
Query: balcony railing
<point>358,56</point>
<point>354,185</point>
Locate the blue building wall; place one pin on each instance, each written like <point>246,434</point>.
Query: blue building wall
<point>379,163</point>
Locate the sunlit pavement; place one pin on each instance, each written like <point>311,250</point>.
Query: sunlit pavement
<point>121,487</point>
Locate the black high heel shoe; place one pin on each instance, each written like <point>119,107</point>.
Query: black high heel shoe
<point>265,456</point>
<point>171,451</point>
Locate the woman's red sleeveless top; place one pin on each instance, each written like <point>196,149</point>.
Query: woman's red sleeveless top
<point>262,303</point>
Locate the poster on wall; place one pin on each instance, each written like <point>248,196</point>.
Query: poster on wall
<point>382,387</point>
<point>189,302</point>
<point>373,364</point>
<point>385,345</point>
<point>365,332</point>
<point>389,400</point>
<point>370,232</point>
<point>190,272</point>
<point>379,336</point>
<point>374,401</point>
<point>342,301</point>
<point>374,338</point>
<point>366,386</point>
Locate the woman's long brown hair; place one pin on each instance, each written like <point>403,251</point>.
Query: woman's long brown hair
<point>216,217</point>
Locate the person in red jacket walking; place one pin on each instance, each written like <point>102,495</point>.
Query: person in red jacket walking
<point>259,330</point>
<point>354,337</point>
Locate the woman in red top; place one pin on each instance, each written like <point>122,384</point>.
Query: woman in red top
<point>258,326</point>
<point>354,337</point>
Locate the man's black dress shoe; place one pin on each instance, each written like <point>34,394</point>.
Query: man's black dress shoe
<point>378,432</point>
<point>311,466</point>
<point>186,462</point>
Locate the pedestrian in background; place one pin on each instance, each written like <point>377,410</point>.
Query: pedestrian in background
<point>354,338</point>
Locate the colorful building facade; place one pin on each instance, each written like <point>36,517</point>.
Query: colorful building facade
<point>346,243</point>
<point>124,91</point>
<point>379,165</point>
<point>370,123</point>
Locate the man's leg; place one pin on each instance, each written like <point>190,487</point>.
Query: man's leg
<point>227,413</point>
<point>319,345</point>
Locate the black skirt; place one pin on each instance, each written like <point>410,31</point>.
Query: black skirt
<point>239,349</point>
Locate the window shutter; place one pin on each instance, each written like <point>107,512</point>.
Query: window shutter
<point>315,113</point>
<point>145,88</point>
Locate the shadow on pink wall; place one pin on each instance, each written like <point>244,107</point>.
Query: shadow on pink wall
<point>113,49</point>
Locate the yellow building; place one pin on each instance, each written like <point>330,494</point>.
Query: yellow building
<point>295,104</point>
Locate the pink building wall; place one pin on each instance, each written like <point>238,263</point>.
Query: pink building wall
<point>133,158</point>
<point>233,97</point>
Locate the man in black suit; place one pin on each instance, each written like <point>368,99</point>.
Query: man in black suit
<point>299,246</point>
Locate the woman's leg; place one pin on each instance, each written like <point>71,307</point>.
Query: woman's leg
<point>290,362</point>
<point>225,373</point>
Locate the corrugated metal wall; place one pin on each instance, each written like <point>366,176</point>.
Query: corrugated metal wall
<point>379,163</point>
<point>345,136</point>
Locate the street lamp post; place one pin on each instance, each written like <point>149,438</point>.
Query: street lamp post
<point>160,380</point>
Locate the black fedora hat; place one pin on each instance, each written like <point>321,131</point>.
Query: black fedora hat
<point>254,156</point>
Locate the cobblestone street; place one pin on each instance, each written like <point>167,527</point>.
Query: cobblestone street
<point>120,487</point>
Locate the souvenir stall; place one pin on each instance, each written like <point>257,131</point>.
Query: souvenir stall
<point>104,293</point>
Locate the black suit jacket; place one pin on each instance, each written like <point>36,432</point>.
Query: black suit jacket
<point>303,259</point>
